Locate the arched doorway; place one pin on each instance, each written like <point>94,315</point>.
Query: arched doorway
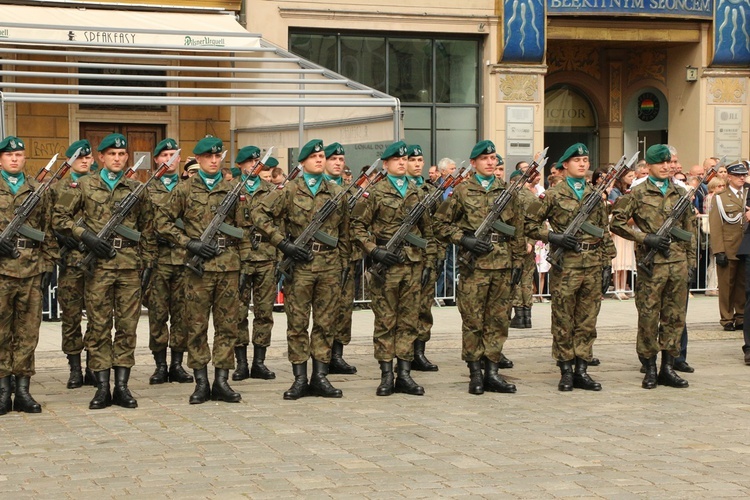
<point>645,120</point>
<point>569,117</point>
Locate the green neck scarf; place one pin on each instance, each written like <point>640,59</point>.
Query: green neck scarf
<point>416,179</point>
<point>338,180</point>
<point>74,176</point>
<point>14,181</point>
<point>252,183</point>
<point>662,184</point>
<point>577,185</point>
<point>110,178</point>
<point>486,181</point>
<point>400,183</point>
<point>210,180</point>
<point>169,181</point>
<point>313,182</point>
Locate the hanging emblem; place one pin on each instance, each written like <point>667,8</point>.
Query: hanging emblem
<point>578,185</point>
<point>210,182</point>
<point>13,180</point>
<point>485,184</point>
<point>312,182</point>
<point>250,182</point>
<point>400,183</point>
<point>166,180</point>
<point>111,176</point>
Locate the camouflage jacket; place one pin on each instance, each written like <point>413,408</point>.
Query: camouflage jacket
<point>168,252</point>
<point>255,247</point>
<point>32,261</point>
<point>526,198</point>
<point>192,202</point>
<point>379,216</point>
<point>649,209</point>
<point>56,191</point>
<point>465,209</point>
<point>426,188</point>
<point>559,206</point>
<point>92,198</point>
<point>294,207</point>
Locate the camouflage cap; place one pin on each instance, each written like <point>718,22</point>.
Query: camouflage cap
<point>167,144</point>
<point>247,153</point>
<point>739,168</point>
<point>334,149</point>
<point>272,162</point>
<point>658,153</point>
<point>577,149</point>
<point>117,141</point>
<point>313,146</point>
<point>210,145</point>
<point>83,144</point>
<point>482,148</point>
<point>414,150</point>
<point>397,149</point>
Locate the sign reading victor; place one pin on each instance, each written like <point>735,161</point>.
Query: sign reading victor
<point>703,9</point>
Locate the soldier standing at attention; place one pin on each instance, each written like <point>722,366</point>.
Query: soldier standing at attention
<point>195,202</point>
<point>335,162</point>
<point>22,279</point>
<point>71,280</point>
<point>659,298</point>
<point>257,274</point>
<point>316,279</point>
<point>524,292</point>
<point>165,296</point>
<point>576,288</point>
<point>484,293</point>
<point>114,285</point>
<point>395,302</point>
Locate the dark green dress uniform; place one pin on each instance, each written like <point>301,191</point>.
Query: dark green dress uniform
<point>660,298</point>
<point>21,286</point>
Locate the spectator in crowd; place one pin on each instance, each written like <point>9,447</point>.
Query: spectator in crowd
<point>434,174</point>
<point>346,175</point>
<point>445,281</point>
<point>625,260</point>
<point>641,170</point>
<point>715,186</point>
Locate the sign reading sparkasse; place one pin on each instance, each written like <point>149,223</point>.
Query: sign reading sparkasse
<point>702,9</point>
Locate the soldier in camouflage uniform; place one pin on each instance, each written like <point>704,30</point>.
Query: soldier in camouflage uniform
<point>342,325</point>
<point>523,293</point>
<point>23,276</point>
<point>71,282</point>
<point>257,276</point>
<point>195,202</point>
<point>659,298</point>
<point>165,295</point>
<point>115,280</point>
<point>577,287</point>
<point>396,301</point>
<point>484,293</point>
<point>317,272</point>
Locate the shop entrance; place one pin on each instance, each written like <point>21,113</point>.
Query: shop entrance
<point>569,117</point>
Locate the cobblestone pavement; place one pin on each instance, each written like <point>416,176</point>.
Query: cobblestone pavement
<point>623,442</point>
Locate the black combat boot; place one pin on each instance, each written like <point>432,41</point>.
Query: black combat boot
<point>582,380</point>
<point>518,318</point>
<point>476,384</point>
<point>319,384</point>
<point>89,377</point>
<point>566,376</point>
<point>386,379</point>
<point>176,372</point>
<point>299,388</point>
<point>494,382</point>
<point>202,392</point>
<point>667,376</point>
<point>75,379</point>
<point>421,363</point>
<point>649,365</point>
<point>337,364</point>
<point>121,395</point>
<point>259,368</point>
<point>103,396</point>
<point>404,382</point>
<point>527,316</point>
<point>5,402</point>
<point>23,400</point>
<point>504,362</point>
<point>160,376</point>
<point>243,370</point>
<point>220,390</point>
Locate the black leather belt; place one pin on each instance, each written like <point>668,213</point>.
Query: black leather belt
<point>585,247</point>
<point>498,238</point>
<point>383,242</point>
<point>118,243</point>
<point>26,243</point>
<point>258,238</point>
<point>223,242</point>
<point>318,247</point>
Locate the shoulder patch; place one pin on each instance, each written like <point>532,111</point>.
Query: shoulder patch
<point>541,196</point>
<point>73,184</point>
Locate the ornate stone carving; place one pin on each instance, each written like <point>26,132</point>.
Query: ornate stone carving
<point>727,91</point>
<point>518,88</point>
<point>647,65</point>
<point>574,57</point>
<point>615,92</point>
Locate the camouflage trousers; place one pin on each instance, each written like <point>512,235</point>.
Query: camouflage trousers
<point>523,293</point>
<point>70,290</point>
<point>343,322</point>
<point>395,304</point>
<point>165,299</point>
<point>426,299</point>
<point>576,300</point>
<point>217,293</point>
<point>261,290</point>
<point>21,306</point>
<point>484,299</point>
<point>317,291</point>
<point>660,300</point>
<point>112,294</point>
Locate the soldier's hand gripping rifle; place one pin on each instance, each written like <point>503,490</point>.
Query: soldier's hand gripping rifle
<point>591,203</point>
<point>669,228</point>
<point>363,182</point>
<point>115,224</point>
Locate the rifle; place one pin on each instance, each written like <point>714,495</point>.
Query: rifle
<point>17,225</point>
<point>121,211</point>
<point>590,204</point>
<point>131,171</point>
<point>363,182</point>
<point>403,233</point>
<point>669,227</point>
<point>492,219</point>
<point>217,224</point>
<point>312,231</point>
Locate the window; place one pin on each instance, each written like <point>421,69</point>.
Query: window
<point>110,82</point>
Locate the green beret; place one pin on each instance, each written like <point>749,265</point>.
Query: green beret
<point>247,153</point>
<point>236,172</point>
<point>658,153</point>
<point>515,174</point>
<point>94,167</point>
<point>11,143</point>
<point>396,149</point>
<point>208,145</point>
<point>313,146</point>
<point>482,148</point>
<point>500,160</point>
<point>83,144</point>
<point>167,144</point>
<point>117,141</point>
<point>334,149</point>
<point>272,162</point>
<point>577,149</point>
<point>414,150</point>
